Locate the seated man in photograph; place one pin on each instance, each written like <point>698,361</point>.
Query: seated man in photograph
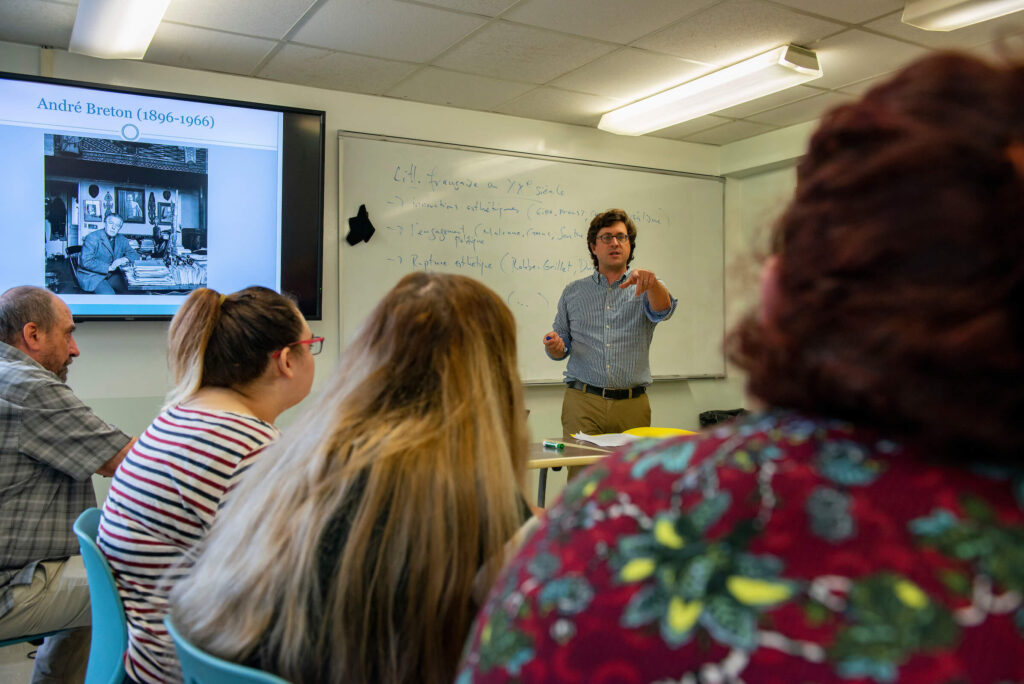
<point>103,253</point>
<point>50,445</point>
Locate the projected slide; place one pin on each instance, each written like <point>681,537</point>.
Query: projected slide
<point>123,203</point>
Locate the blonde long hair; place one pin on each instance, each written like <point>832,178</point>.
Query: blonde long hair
<point>413,461</point>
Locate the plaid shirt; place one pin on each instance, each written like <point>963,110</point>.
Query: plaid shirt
<point>50,445</point>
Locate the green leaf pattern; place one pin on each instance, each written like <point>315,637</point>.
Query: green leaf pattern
<point>686,582</point>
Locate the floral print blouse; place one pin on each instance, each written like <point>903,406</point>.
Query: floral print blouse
<point>778,548</point>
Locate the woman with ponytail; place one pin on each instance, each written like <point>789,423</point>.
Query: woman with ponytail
<point>238,361</point>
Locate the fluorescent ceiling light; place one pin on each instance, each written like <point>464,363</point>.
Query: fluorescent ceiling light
<point>949,15</point>
<point>116,29</point>
<point>767,73</point>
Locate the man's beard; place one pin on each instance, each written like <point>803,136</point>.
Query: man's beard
<point>58,368</point>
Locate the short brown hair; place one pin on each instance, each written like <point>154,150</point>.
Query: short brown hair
<point>605,219</point>
<point>901,265</point>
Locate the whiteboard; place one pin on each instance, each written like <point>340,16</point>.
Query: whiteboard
<point>519,224</point>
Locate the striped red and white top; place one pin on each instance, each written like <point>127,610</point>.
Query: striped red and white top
<point>162,502</point>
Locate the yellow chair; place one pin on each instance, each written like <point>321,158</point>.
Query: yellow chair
<point>657,432</point>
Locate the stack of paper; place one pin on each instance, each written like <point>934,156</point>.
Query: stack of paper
<point>615,439</point>
<point>149,273</point>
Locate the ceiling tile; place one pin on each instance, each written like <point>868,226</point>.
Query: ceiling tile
<point>611,20</point>
<point>455,89</point>
<point>36,23</point>
<point>196,48</point>
<point>736,29</point>
<point>681,130</point>
<point>552,104</point>
<point>385,28</point>
<point>326,69</point>
<point>521,53</point>
<point>804,110</point>
<point>490,8</point>
<point>967,37</point>
<point>855,55</point>
<point>852,11</point>
<point>861,87</point>
<point>265,18</point>
<point>630,74</point>
<point>1007,48</point>
<point>745,109</point>
<point>730,132</point>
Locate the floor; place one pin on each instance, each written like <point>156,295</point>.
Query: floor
<point>15,665</point>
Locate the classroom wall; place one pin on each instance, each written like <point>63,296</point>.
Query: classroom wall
<point>122,370</point>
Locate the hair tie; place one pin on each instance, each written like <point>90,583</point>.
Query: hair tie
<point>222,298</point>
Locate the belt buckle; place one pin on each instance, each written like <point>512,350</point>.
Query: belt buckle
<point>603,392</point>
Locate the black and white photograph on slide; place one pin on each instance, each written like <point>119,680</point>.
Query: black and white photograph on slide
<point>124,217</point>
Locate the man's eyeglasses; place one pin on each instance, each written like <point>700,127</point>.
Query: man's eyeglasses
<point>608,237</point>
<point>316,345</point>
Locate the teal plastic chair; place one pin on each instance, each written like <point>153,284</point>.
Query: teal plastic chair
<point>199,667</point>
<point>109,631</point>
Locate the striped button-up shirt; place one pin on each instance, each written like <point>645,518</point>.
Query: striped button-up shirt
<point>607,331</point>
<point>50,445</point>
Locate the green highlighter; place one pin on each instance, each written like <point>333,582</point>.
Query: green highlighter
<point>547,444</point>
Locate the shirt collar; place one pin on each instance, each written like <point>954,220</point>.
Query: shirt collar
<point>599,278</point>
<point>12,353</point>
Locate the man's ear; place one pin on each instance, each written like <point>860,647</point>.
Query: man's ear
<point>31,337</point>
<point>284,362</point>
<point>771,298</point>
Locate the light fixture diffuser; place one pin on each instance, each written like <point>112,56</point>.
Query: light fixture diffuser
<point>116,29</point>
<point>764,74</point>
<point>949,15</point>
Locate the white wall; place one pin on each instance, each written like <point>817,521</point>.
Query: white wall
<point>122,370</point>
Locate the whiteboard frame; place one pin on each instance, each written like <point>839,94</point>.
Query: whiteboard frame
<point>363,135</point>
<point>526,155</point>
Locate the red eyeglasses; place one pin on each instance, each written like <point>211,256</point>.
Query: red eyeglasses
<point>316,345</point>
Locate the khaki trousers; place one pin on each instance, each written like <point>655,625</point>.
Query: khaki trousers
<point>594,415</point>
<point>57,598</point>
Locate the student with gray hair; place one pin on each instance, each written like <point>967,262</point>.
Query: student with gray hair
<point>50,445</point>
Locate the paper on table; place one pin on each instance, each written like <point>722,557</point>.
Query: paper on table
<point>614,439</point>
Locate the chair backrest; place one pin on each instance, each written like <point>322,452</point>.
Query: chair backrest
<point>109,631</point>
<point>199,667</point>
<point>74,253</point>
